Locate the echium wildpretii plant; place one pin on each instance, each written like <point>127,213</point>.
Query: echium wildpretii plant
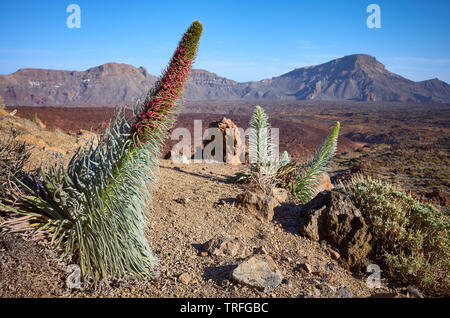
<point>261,150</point>
<point>97,206</point>
<point>263,158</point>
<point>303,179</point>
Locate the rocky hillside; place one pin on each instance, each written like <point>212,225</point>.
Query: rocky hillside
<point>105,84</point>
<point>355,77</point>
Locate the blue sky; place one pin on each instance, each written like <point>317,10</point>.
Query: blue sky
<point>243,40</point>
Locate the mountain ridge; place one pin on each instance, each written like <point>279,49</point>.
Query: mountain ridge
<point>357,77</point>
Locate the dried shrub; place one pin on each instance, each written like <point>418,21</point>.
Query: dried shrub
<point>13,157</point>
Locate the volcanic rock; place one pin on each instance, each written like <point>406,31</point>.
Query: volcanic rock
<point>259,204</point>
<point>331,216</point>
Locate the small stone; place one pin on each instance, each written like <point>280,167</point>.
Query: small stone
<point>232,247</point>
<point>318,273</point>
<point>203,254</point>
<point>182,200</point>
<point>286,259</point>
<point>158,271</point>
<point>334,254</point>
<point>305,267</point>
<point>414,292</point>
<point>316,292</point>
<point>225,283</point>
<point>331,267</point>
<point>261,250</point>
<point>287,282</point>
<point>185,278</point>
<point>261,205</point>
<point>258,271</point>
<point>344,292</point>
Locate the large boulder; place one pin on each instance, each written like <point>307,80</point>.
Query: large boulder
<point>331,216</point>
<point>259,204</point>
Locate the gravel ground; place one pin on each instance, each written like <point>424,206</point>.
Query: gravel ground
<point>191,205</point>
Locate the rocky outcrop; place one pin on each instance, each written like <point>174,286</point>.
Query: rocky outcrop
<point>232,143</point>
<point>332,217</point>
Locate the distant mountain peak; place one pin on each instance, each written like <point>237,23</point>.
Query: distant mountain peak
<point>361,59</point>
<point>359,77</point>
<point>358,61</point>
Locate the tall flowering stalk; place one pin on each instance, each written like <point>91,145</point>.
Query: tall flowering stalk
<point>160,102</point>
<point>97,206</point>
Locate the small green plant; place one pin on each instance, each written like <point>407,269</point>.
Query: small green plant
<point>97,206</point>
<point>301,178</point>
<point>412,238</point>
<point>306,181</point>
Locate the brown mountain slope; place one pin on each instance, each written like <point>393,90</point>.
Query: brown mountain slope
<point>356,77</point>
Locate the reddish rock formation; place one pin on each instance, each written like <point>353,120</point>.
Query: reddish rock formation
<point>228,130</point>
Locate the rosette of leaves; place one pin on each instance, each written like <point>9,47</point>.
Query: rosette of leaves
<point>97,205</point>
